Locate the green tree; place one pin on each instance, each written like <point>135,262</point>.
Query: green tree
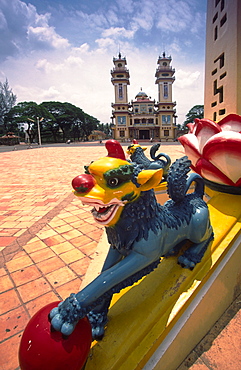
<point>27,113</point>
<point>73,122</point>
<point>55,109</point>
<point>105,127</point>
<point>67,117</point>
<point>87,125</point>
<point>195,112</point>
<point>7,101</point>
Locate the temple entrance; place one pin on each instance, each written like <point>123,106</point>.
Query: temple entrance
<point>144,134</point>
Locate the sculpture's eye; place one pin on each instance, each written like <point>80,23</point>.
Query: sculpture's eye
<point>113,182</point>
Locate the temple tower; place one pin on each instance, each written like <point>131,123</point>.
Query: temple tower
<point>120,80</point>
<point>166,112</point>
<point>143,118</point>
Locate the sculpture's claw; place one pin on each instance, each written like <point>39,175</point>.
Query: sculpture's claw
<point>57,322</point>
<point>53,312</point>
<point>65,317</point>
<point>98,333</point>
<point>67,328</point>
<point>186,263</point>
<point>64,327</point>
<point>98,322</point>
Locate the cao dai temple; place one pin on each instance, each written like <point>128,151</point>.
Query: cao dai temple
<point>143,118</point>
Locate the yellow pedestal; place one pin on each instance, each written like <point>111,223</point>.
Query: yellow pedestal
<point>155,323</point>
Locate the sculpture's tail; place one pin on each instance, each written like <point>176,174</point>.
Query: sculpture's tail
<point>178,182</point>
<point>153,151</point>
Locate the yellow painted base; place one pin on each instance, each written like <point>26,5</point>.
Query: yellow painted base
<point>158,321</point>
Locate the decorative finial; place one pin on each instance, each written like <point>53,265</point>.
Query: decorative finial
<point>164,54</point>
<point>114,149</point>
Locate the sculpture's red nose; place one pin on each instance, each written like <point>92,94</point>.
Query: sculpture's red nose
<point>83,183</point>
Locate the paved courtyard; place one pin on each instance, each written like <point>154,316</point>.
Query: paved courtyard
<point>47,238</point>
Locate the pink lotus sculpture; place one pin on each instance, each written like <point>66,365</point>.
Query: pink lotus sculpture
<point>215,151</point>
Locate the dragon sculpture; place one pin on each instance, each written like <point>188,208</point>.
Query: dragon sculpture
<point>140,231</point>
<point>138,156</point>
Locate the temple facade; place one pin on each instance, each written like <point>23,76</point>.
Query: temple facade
<point>143,118</point>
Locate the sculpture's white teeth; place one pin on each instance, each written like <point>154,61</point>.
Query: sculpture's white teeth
<point>102,212</point>
<point>104,215</point>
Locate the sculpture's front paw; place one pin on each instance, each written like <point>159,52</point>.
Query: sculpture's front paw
<point>98,321</point>
<point>65,317</point>
<point>58,322</point>
<point>186,262</point>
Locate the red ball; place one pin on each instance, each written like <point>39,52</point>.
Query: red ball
<point>83,183</point>
<point>40,348</point>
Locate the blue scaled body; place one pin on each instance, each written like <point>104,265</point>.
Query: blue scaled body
<point>140,231</point>
<point>138,156</point>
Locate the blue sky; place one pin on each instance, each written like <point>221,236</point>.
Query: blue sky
<point>63,50</point>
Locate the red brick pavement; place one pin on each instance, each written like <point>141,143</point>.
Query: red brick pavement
<point>47,239</point>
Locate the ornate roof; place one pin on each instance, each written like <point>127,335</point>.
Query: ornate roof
<point>142,95</point>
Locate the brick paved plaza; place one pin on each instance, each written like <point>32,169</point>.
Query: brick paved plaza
<point>47,238</point>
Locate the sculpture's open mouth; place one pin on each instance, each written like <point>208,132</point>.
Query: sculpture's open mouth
<point>103,213</point>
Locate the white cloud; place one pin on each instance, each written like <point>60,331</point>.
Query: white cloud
<point>188,89</point>
<point>51,66</point>
<point>145,17</point>
<point>47,67</point>
<point>175,47</point>
<point>92,20</point>
<point>118,31</point>
<point>105,42</point>
<point>74,61</point>
<point>198,24</point>
<point>186,79</point>
<point>63,65</point>
<point>46,37</point>
<point>3,21</point>
<point>112,17</point>
<point>82,49</point>
<point>51,94</point>
<point>23,30</point>
<point>175,16</point>
<point>126,6</point>
<point>82,77</point>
